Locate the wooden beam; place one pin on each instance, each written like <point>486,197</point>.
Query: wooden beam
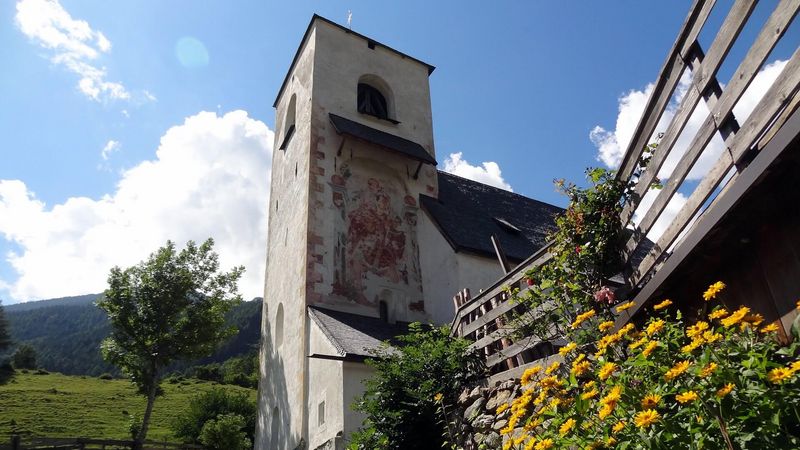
<point>501,255</point>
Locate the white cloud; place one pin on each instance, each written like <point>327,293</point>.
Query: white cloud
<point>110,147</point>
<point>73,44</point>
<point>210,178</point>
<point>488,172</point>
<point>611,145</point>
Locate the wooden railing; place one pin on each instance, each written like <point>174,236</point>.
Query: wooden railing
<point>17,442</point>
<point>485,317</point>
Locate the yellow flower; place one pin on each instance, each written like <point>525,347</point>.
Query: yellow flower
<point>734,318</point>
<point>718,313</point>
<point>606,411</point>
<point>603,327</point>
<point>501,408</point>
<point>566,427</point>
<point>567,348</point>
<point>713,290</point>
<point>607,369</point>
<point>686,397</point>
<point>613,396</point>
<point>588,385</point>
<point>588,395</point>
<point>690,347</point>
<point>709,369</point>
<point>637,344</point>
<point>646,418</point>
<point>654,327</point>
<point>754,319</point>
<point>545,444</point>
<point>711,337</point>
<point>610,441</point>
<point>580,368</point>
<point>650,401</point>
<point>626,329</point>
<point>771,328</point>
<point>582,317</point>
<point>438,397</point>
<point>798,305</point>
<point>530,444</point>
<point>779,375</point>
<point>507,444</point>
<point>552,367</point>
<point>625,306</point>
<point>795,366</point>
<point>651,346</point>
<point>662,305</point>
<point>676,370</point>
<point>529,374</point>
<point>697,329</point>
<point>725,390</point>
<point>619,426</point>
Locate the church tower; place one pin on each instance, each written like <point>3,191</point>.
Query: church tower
<point>353,153</point>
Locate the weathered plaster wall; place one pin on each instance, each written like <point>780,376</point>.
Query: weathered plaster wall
<point>324,385</point>
<point>445,272</point>
<point>362,225</point>
<point>354,376</point>
<point>281,395</point>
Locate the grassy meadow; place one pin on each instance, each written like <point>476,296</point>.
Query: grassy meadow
<point>55,405</point>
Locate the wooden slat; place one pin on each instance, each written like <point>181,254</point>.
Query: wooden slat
<point>518,371</point>
<point>704,76</point>
<point>515,276</point>
<point>665,85</point>
<point>770,34</point>
<point>499,310</point>
<point>784,86</point>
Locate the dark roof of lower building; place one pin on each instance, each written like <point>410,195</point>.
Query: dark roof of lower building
<point>354,335</point>
<point>468,213</point>
<point>382,138</point>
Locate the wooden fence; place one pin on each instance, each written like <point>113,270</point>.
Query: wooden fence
<point>484,318</point>
<point>17,442</point>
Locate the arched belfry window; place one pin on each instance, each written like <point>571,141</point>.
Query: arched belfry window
<point>375,98</point>
<point>289,122</point>
<point>372,102</point>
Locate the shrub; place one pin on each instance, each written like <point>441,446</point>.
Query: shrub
<point>106,376</point>
<point>211,405</point>
<point>400,400</point>
<point>225,433</point>
<point>24,357</point>
<point>723,381</point>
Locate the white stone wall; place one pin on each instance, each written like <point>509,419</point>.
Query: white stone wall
<point>354,376</point>
<point>445,272</point>
<point>282,386</point>
<point>324,385</point>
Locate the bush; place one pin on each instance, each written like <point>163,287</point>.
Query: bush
<point>225,433</point>
<point>400,401</point>
<point>723,381</point>
<point>106,376</point>
<point>211,405</point>
<point>24,357</point>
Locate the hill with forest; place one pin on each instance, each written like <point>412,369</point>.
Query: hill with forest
<point>66,334</point>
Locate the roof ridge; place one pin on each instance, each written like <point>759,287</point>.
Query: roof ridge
<point>505,191</point>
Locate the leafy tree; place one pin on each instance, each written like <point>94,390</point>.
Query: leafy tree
<point>400,401</point>
<point>169,307</point>
<point>225,433</point>
<point>5,336</point>
<point>24,357</point>
<point>211,405</point>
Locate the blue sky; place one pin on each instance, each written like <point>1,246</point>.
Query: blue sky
<point>123,123</point>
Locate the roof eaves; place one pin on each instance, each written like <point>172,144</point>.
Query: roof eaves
<point>313,314</point>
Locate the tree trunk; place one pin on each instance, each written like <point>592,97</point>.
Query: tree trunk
<point>151,398</point>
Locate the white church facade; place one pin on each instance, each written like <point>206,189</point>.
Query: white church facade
<point>365,234</point>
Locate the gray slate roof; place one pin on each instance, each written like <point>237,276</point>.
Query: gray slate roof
<point>382,138</point>
<point>354,336</point>
<point>468,213</point>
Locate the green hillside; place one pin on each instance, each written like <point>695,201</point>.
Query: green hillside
<point>56,405</point>
<point>66,333</point>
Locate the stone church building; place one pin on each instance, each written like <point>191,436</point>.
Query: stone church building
<point>365,234</point>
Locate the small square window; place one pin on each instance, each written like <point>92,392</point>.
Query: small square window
<point>321,413</point>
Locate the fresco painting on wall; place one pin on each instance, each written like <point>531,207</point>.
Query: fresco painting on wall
<point>376,246</point>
